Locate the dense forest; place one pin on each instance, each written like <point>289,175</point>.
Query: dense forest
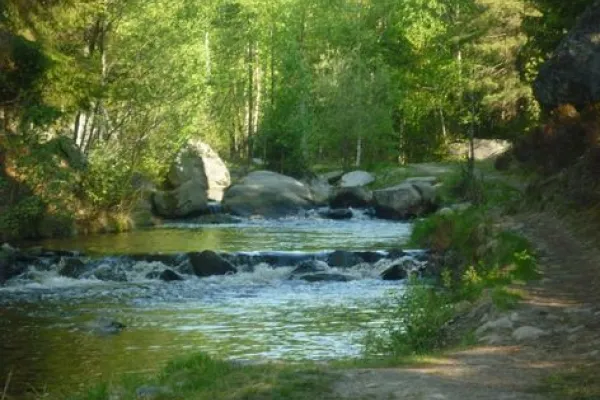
<point>295,83</point>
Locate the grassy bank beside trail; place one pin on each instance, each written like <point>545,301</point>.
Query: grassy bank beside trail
<point>203,377</point>
<point>473,259</point>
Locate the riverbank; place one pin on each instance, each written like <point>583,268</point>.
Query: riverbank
<point>539,344</point>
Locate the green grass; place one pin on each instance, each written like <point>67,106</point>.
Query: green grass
<point>203,377</point>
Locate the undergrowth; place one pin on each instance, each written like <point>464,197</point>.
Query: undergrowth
<point>203,377</point>
<point>469,255</point>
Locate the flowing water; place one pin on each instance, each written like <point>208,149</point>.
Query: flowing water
<point>52,331</point>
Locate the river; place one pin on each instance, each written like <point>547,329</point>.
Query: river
<point>49,340</point>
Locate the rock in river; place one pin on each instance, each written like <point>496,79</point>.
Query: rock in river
<point>209,263</point>
<point>268,194</point>
<point>356,197</point>
<point>326,277</point>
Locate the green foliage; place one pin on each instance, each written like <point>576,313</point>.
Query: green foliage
<point>203,377</point>
<point>415,325</point>
<point>20,219</point>
<point>107,181</point>
<point>505,299</point>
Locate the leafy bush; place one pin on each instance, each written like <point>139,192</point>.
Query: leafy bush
<point>415,324</point>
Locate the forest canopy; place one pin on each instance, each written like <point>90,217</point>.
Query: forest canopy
<point>295,83</point>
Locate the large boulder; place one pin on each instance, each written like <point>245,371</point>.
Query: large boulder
<point>199,162</point>
<point>356,178</point>
<point>184,201</point>
<point>320,189</point>
<point>267,194</point>
<point>572,74</point>
<point>356,197</point>
<point>405,201</point>
<point>209,263</point>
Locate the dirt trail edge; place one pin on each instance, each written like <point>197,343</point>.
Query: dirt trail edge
<point>555,328</point>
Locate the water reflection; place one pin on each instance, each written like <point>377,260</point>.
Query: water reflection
<point>285,235</point>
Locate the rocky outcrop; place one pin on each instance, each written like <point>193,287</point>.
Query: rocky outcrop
<point>356,197</point>
<point>405,201</point>
<point>183,201</point>
<point>268,194</point>
<point>321,190</point>
<point>198,161</point>
<point>572,74</point>
<point>209,263</point>
<point>356,178</point>
<point>196,175</point>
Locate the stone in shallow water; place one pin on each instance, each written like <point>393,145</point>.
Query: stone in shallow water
<point>310,266</point>
<point>343,259</point>
<point>326,277</point>
<point>209,263</point>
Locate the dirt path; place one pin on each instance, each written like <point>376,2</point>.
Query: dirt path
<point>559,321</point>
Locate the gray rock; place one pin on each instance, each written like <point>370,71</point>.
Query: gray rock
<point>310,266</point>
<point>356,178</point>
<point>71,267</point>
<point>572,74</point>
<point>198,161</point>
<point>321,190</point>
<point>528,333</point>
<point>332,177</point>
<point>343,259</point>
<point>338,213</point>
<point>356,197</point>
<point>395,272</point>
<point>404,201</point>
<point>326,277</point>
<point>430,180</point>
<point>501,323</point>
<point>268,194</point>
<point>186,200</point>
<point>209,263</point>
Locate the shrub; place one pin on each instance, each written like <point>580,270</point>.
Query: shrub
<point>417,317</point>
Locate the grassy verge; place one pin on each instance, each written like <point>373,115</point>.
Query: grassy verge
<point>203,377</point>
<point>470,256</point>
